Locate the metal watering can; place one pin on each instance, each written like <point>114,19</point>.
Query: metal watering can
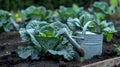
<point>86,43</point>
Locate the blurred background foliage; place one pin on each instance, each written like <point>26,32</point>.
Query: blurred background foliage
<point>50,4</point>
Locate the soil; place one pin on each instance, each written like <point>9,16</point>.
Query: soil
<point>9,58</point>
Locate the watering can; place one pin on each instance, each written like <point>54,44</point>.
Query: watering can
<point>87,44</point>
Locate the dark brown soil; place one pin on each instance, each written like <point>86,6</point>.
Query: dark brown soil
<point>9,42</point>
<point>9,58</point>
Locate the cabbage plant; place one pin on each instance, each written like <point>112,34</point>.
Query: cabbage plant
<point>7,23</point>
<point>43,40</point>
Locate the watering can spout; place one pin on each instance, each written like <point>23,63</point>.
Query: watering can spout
<point>75,45</point>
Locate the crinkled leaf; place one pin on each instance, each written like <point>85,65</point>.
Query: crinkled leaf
<point>24,35</point>
<point>59,25</point>
<point>106,10</point>
<point>8,27</point>
<point>65,13</point>
<point>104,24</point>
<point>108,29</point>
<point>54,27</point>
<point>34,24</point>
<point>37,13</point>
<point>74,24</point>
<point>31,33</point>
<point>67,53</point>
<point>47,28</point>
<point>47,42</point>
<point>111,10</point>
<point>85,17</point>
<point>11,20</point>
<point>29,10</point>
<point>101,16</point>
<point>49,14</point>
<point>3,13</point>
<point>25,52</point>
<point>2,21</point>
<point>35,54</point>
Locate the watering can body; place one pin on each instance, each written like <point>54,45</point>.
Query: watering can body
<point>90,42</point>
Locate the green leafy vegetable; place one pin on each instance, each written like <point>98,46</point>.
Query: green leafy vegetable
<point>37,13</point>
<point>77,24</point>
<point>117,48</point>
<point>107,29</point>
<point>7,23</point>
<point>42,37</point>
<point>64,13</point>
<point>74,24</point>
<point>101,12</point>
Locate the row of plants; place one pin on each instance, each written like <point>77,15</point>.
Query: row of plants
<point>39,28</point>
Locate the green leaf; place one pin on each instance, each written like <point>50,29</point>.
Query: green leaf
<point>25,52</point>
<point>35,54</point>
<point>24,36</point>
<point>101,16</point>
<point>47,42</point>
<point>8,27</point>
<point>114,3</point>
<point>106,10</point>
<point>104,24</point>
<point>108,29</point>
<point>3,13</point>
<point>29,10</point>
<point>67,53</point>
<point>74,24</point>
<point>59,25</point>
<point>118,10</point>
<point>5,22</point>
<point>75,7</point>
<point>34,24</point>
<point>111,10</point>
<point>65,13</point>
<point>38,13</point>
<point>2,21</point>
<point>48,34</point>
<point>49,14</point>
<point>31,33</point>
<point>85,17</point>
<point>118,50</point>
<point>11,20</point>
<point>48,28</point>
<point>109,37</point>
<point>54,27</point>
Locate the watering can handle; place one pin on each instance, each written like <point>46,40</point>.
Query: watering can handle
<point>86,25</point>
<point>75,45</point>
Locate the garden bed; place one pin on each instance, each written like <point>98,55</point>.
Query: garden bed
<point>9,58</point>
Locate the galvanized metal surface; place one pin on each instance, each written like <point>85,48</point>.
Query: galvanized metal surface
<point>92,44</point>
